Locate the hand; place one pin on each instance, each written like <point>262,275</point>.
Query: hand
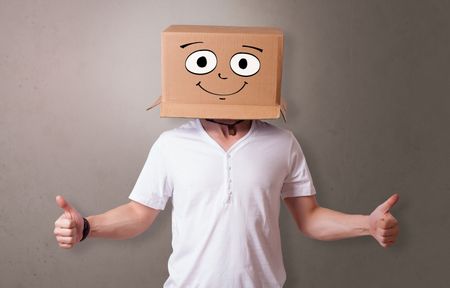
<point>69,226</point>
<point>383,226</point>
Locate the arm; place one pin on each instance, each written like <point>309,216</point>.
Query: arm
<point>123,222</point>
<point>325,224</point>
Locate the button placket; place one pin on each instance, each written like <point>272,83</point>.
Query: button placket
<point>229,181</point>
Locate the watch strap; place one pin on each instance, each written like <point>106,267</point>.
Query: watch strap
<point>86,229</point>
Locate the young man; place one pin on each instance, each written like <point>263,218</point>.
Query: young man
<point>225,191</point>
<point>225,177</point>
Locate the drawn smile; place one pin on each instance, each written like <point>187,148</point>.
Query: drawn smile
<point>221,94</point>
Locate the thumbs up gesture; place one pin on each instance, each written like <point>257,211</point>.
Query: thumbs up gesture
<point>383,226</point>
<point>69,226</point>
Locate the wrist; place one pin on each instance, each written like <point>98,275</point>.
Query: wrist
<point>92,227</point>
<point>360,225</point>
<point>366,225</point>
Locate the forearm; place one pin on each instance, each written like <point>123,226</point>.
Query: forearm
<point>122,222</point>
<point>326,224</point>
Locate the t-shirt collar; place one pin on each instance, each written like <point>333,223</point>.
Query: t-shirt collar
<point>235,145</point>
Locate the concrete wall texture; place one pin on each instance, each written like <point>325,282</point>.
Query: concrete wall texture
<point>367,84</point>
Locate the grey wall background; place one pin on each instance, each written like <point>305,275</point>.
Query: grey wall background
<point>367,83</point>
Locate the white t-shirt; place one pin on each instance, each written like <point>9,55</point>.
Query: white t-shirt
<point>225,228</point>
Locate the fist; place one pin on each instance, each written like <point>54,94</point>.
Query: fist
<point>383,226</point>
<point>69,226</point>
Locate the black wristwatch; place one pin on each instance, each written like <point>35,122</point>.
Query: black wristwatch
<point>86,229</point>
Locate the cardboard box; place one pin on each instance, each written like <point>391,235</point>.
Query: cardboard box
<point>221,72</point>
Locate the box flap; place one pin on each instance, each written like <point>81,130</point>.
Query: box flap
<point>155,103</point>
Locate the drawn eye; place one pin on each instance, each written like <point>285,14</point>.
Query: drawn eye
<point>244,64</point>
<point>201,62</point>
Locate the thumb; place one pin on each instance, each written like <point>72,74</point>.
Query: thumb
<point>63,204</point>
<point>387,205</point>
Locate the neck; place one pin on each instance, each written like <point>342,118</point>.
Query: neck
<point>226,127</point>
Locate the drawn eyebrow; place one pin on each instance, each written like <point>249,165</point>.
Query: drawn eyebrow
<point>253,47</point>
<point>187,44</point>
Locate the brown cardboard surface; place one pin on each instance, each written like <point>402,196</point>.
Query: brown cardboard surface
<point>218,111</point>
<point>221,72</point>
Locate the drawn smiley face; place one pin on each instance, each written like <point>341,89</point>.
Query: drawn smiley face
<point>221,72</point>
<point>205,61</point>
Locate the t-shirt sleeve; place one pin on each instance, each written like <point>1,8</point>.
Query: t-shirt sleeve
<point>153,187</point>
<point>298,182</point>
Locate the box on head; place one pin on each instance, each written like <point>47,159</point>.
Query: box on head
<point>221,72</point>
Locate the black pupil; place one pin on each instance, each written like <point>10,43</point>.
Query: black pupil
<point>243,63</point>
<point>201,62</point>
